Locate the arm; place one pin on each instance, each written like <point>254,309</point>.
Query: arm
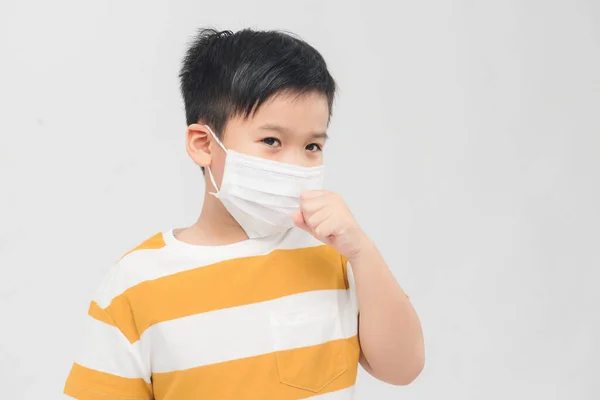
<point>390,333</point>
<point>389,329</point>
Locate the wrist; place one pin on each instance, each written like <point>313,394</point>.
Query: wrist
<point>365,250</point>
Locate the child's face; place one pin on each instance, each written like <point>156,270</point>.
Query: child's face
<point>286,128</point>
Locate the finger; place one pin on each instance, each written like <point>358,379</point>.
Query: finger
<point>299,221</point>
<point>326,230</point>
<point>316,219</point>
<point>312,205</point>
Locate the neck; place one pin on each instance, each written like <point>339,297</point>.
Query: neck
<point>214,227</point>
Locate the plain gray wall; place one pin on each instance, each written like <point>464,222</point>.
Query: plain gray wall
<point>465,138</point>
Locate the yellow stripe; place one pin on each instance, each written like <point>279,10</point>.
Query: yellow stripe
<point>345,268</point>
<point>226,284</point>
<point>153,243</point>
<point>259,377</point>
<point>86,384</point>
<point>98,313</point>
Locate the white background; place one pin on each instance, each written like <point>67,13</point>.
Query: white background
<point>465,138</point>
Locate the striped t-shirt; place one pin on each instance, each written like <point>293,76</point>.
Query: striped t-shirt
<point>270,318</point>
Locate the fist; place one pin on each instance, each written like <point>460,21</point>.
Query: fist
<point>326,216</point>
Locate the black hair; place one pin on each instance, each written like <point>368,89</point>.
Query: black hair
<point>226,74</point>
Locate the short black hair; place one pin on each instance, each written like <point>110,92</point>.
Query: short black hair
<point>226,74</point>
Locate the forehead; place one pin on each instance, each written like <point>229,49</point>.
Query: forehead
<point>308,112</point>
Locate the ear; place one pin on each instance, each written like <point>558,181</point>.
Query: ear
<point>197,143</point>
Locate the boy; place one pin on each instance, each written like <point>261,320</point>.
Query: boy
<point>259,298</point>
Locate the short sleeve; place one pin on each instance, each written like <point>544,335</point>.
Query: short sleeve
<point>108,366</point>
<point>350,284</point>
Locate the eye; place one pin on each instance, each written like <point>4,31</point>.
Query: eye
<point>272,142</point>
<point>313,147</point>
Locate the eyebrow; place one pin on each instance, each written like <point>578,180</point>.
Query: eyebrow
<point>287,131</point>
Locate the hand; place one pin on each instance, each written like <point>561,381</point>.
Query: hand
<point>326,216</point>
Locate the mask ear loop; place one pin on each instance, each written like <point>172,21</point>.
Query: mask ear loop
<point>212,179</point>
<point>210,174</point>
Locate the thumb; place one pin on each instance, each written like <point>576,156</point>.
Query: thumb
<point>299,221</point>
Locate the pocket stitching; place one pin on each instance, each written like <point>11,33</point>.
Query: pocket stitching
<point>281,379</point>
<point>343,366</point>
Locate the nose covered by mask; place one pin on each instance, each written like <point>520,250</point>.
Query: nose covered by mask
<point>262,195</point>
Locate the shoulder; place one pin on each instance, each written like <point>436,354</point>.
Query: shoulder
<point>141,263</point>
<point>154,242</point>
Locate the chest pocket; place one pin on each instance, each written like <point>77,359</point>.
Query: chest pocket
<point>309,347</point>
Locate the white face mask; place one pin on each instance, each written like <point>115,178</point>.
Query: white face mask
<point>263,194</point>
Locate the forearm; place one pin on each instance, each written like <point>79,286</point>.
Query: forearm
<point>390,332</point>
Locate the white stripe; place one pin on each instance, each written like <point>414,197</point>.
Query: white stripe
<point>105,349</point>
<point>344,394</point>
<point>250,330</point>
<point>176,256</point>
<point>352,286</point>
